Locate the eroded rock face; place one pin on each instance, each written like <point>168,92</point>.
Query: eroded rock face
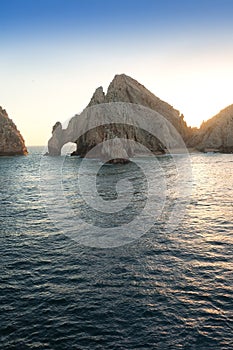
<point>216,135</point>
<point>126,89</point>
<point>122,89</point>
<point>11,141</point>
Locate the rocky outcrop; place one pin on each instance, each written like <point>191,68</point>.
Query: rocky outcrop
<point>114,151</point>
<point>216,134</point>
<point>126,89</point>
<point>11,141</point>
<point>98,97</point>
<point>122,89</point>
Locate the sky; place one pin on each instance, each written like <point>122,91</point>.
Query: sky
<point>55,53</point>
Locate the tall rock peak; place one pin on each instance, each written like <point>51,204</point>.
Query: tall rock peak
<point>120,80</point>
<point>11,141</point>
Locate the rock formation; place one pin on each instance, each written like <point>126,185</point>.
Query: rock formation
<point>127,90</point>
<point>116,150</point>
<point>11,141</point>
<point>216,134</point>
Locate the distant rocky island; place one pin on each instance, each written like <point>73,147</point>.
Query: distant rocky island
<point>123,89</point>
<point>214,135</point>
<point>11,141</point>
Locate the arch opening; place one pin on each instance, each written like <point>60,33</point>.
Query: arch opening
<point>68,148</point>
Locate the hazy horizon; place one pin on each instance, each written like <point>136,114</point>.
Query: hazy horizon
<point>55,53</point>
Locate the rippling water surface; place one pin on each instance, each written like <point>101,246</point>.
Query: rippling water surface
<point>166,290</point>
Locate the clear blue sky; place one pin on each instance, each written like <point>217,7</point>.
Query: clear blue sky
<point>54,53</point>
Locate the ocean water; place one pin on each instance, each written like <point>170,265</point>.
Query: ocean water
<point>167,289</point>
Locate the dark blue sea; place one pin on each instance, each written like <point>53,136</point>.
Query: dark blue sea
<point>167,289</point>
